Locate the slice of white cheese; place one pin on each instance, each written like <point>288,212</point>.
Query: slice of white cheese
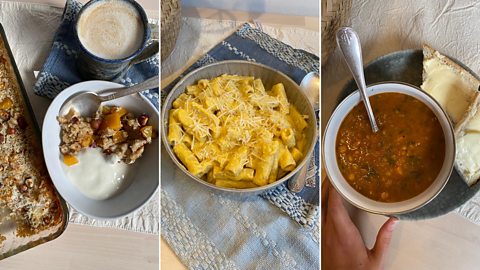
<point>467,139</point>
<point>447,87</point>
<point>468,156</point>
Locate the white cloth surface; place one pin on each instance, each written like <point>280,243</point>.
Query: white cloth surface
<point>387,26</point>
<point>30,29</point>
<point>197,36</point>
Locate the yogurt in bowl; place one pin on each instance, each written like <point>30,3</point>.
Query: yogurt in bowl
<point>123,189</point>
<point>105,178</point>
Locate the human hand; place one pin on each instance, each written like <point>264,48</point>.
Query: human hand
<point>342,244</point>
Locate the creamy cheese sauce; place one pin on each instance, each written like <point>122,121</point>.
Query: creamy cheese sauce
<point>98,176</point>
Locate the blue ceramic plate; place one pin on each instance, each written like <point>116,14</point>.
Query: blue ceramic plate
<point>406,66</point>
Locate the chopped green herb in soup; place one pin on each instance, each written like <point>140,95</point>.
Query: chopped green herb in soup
<point>402,159</point>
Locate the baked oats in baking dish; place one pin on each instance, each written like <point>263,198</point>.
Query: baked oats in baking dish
<point>26,190</point>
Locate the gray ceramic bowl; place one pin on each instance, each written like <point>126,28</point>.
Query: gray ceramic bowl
<point>269,77</point>
<point>356,198</point>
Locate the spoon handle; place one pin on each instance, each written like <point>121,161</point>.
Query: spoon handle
<point>125,91</point>
<point>349,44</point>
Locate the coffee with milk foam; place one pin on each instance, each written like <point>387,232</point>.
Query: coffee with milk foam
<point>111,29</point>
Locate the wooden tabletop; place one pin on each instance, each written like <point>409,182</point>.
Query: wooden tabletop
<point>443,243</point>
<point>83,247</point>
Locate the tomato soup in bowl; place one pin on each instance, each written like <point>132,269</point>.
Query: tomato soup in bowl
<point>404,165</point>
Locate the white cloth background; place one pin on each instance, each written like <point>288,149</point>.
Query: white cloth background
<point>197,36</point>
<point>387,26</point>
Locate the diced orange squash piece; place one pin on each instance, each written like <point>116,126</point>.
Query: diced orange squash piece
<point>6,104</point>
<point>112,121</point>
<point>118,137</point>
<point>146,131</point>
<point>87,141</point>
<point>70,160</point>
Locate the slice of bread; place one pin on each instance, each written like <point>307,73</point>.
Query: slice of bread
<point>449,83</point>
<point>456,89</point>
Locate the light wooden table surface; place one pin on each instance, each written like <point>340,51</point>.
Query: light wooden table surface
<point>444,243</point>
<point>90,248</point>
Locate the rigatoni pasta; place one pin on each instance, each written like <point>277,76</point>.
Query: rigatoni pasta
<point>234,133</point>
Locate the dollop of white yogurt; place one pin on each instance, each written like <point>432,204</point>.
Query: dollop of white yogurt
<point>96,175</point>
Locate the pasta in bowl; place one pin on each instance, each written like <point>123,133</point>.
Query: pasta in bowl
<point>238,126</point>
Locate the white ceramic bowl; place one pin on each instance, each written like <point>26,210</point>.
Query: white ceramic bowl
<point>356,198</point>
<point>146,176</point>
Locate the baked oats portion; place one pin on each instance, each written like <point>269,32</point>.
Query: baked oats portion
<point>120,134</point>
<point>76,133</point>
<point>25,187</point>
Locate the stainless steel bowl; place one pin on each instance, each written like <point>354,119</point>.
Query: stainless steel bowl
<point>269,77</point>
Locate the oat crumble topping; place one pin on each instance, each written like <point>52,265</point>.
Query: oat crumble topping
<point>115,130</point>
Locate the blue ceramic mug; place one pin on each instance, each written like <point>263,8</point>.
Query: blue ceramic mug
<point>113,35</point>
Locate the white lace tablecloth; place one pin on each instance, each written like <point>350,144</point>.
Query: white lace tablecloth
<point>30,29</point>
<point>388,26</point>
